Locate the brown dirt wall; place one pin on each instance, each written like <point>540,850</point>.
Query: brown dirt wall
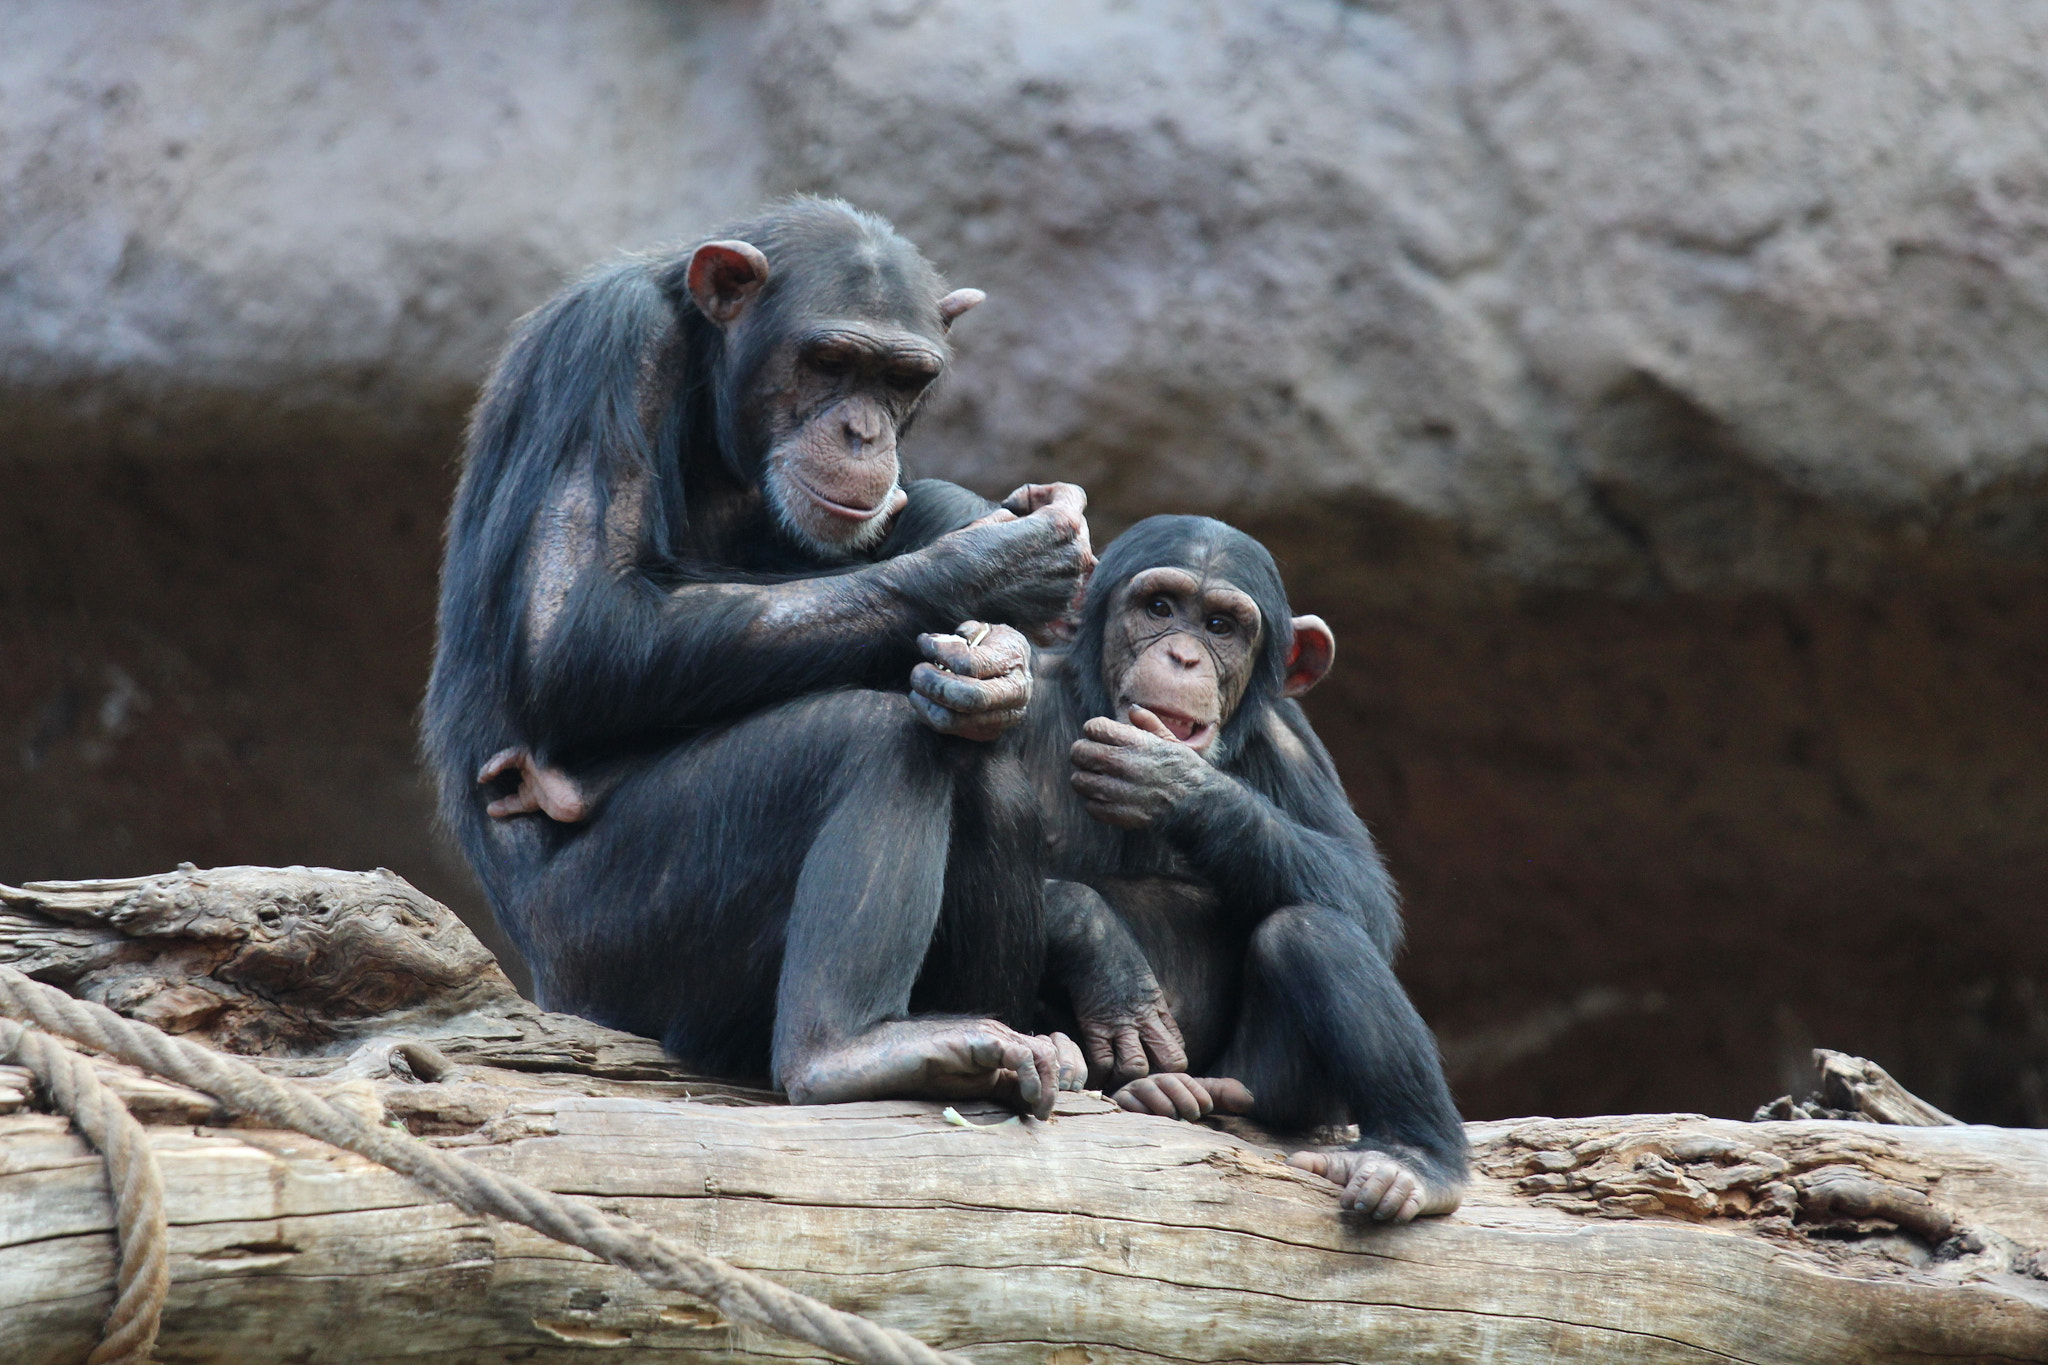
<point>1652,849</point>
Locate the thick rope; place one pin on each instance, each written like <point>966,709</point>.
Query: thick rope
<point>144,1279</point>
<point>661,1261</point>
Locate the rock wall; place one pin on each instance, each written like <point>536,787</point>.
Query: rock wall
<point>1654,397</point>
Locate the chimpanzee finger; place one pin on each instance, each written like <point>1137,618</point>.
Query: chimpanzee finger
<point>1372,1183</point>
<point>1102,789</point>
<point>1402,1200</point>
<point>1190,1101</point>
<point>1038,1076</point>
<point>1144,1097</point>
<point>1107,789</point>
<point>989,724</point>
<point>1107,759</point>
<point>1073,1067</point>
<point>978,650</point>
<point>933,644</point>
<point>1022,1064</point>
<point>1168,1095</point>
<point>1161,1038</point>
<point>970,694</point>
<point>945,721</point>
<point>500,763</point>
<point>1226,1094</point>
<point>1130,1055</point>
<point>1065,500</point>
<point>1029,497</point>
<point>1112,733</point>
<point>1141,719</point>
<point>1101,1054</point>
<point>984,726</point>
<point>993,723</point>
<point>1315,1163</point>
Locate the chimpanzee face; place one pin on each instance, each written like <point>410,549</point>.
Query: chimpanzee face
<point>831,394</point>
<point>832,402</point>
<point>1182,645</point>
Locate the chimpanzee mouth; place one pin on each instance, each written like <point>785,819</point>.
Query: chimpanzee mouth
<point>840,509</point>
<point>1196,734</point>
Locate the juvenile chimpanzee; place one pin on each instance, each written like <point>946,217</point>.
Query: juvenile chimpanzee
<point>682,595</point>
<point>1184,789</point>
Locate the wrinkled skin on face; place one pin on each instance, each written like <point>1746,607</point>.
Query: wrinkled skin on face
<point>1182,648</point>
<point>833,402</point>
<point>829,404</point>
<point>1178,654</point>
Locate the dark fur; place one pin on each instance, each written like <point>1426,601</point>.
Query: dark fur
<point>777,843</point>
<point>1264,909</point>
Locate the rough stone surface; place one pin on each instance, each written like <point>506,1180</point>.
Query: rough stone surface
<point>1653,395</point>
<point>1626,296</point>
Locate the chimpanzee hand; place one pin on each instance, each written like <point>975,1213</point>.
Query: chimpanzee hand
<point>1380,1185</point>
<point>941,1059</point>
<point>1172,1095</point>
<point>1132,776</point>
<point>1065,500</point>
<point>1126,1027</point>
<point>1034,556</point>
<point>1062,499</point>
<point>977,684</point>
<point>1130,1033</point>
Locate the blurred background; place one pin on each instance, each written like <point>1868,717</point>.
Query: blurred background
<point>1652,395</point>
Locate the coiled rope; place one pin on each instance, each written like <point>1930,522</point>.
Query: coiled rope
<point>138,1192</point>
<point>145,1275</point>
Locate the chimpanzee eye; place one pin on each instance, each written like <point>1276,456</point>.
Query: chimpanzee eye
<point>1221,625</point>
<point>907,381</point>
<point>1160,607</point>
<point>831,364</point>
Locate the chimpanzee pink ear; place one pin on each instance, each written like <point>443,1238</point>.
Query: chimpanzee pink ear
<point>1309,657</point>
<point>724,277</point>
<point>958,302</point>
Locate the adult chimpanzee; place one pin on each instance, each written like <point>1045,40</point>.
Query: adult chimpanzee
<point>681,599</point>
<point>1212,822</point>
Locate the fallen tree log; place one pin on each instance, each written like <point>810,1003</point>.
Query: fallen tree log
<point>1100,1236</point>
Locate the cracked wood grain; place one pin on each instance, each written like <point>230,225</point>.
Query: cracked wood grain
<point>1100,1237</point>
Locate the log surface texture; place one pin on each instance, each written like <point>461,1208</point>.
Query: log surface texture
<point>1099,1237</point>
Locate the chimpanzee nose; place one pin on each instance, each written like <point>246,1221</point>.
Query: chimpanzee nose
<point>863,423</point>
<point>1184,653</point>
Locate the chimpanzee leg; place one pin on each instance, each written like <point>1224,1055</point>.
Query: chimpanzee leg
<point>867,900</point>
<point>988,953</point>
<point>763,900</point>
<point>1325,1034</point>
<point>953,896</point>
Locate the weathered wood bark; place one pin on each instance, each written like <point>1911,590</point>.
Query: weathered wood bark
<point>1100,1236</point>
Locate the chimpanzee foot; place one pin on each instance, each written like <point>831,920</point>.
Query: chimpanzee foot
<point>1382,1187</point>
<point>1175,1095</point>
<point>925,1059</point>
<point>550,791</point>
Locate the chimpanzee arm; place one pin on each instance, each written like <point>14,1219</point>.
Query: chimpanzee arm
<point>1127,1030</point>
<point>1279,831</point>
<point>1272,830</point>
<point>613,653</point>
<point>931,508</point>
